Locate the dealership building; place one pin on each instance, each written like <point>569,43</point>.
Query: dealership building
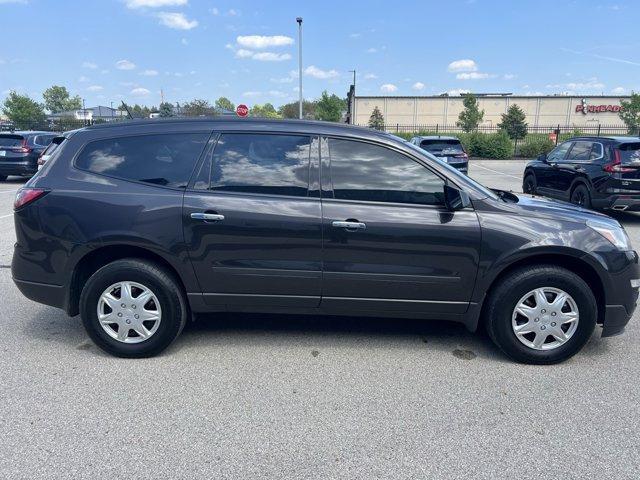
<point>542,111</point>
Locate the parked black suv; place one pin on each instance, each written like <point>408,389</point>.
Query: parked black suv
<point>447,149</point>
<point>593,172</point>
<point>138,226</point>
<point>19,152</point>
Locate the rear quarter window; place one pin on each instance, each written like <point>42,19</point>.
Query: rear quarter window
<point>162,159</point>
<point>630,153</point>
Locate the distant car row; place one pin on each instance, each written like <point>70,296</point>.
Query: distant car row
<point>20,151</point>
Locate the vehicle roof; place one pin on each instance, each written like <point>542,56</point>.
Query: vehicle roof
<point>28,132</point>
<point>437,137</point>
<point>611,138</point>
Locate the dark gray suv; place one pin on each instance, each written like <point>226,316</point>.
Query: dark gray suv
<point>139,226</point>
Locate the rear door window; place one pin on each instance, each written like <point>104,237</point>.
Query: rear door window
<point>630,153</point>
<point>261,163</point>
<point>165,159</point>
<point>580,151</point>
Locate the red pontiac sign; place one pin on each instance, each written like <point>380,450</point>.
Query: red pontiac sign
<point>597,108</point>
<point>242,110</point>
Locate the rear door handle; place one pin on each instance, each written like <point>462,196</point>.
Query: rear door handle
<point>209,217</point>
<point>350,225</point>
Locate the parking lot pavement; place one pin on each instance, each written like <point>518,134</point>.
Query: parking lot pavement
<point>257,396</point>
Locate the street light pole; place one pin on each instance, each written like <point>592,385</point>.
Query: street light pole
<point>299,20</point>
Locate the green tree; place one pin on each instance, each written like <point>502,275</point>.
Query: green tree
<point>513,122</point>
<point>471,116</point>
<point>376,120</point>
<point>225,103</point>
<point>22,110</point>
<point>291,110</point>
<point>265,111</point>
<point>57,99</point>
<point>330,107</point>
<point>198,108</point>
<point>166,110</point>
<point>630,113</point>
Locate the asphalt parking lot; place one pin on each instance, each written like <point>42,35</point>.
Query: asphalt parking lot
<point>251,396</point>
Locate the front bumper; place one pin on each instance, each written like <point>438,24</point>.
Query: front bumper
<point>621,293</point>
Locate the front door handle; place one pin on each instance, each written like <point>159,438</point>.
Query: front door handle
<point>209,217</point>
<point>350,225</point>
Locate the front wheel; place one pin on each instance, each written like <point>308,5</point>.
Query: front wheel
<point>529,184</point>
<point>132,308</point>
<point>541,315</point>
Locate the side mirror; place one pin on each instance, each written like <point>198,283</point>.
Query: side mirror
<point>542,157</point>
<point>455,199</point>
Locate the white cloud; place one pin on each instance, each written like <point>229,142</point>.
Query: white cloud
<point>83,79</point>
<point>277,93</point>
<point>214,11</point>
<point>89,65</point>
<point>13,1</point>
<point>464,65</point>
<point>177,21</point>
<point>370,76</point>
<point>372,50</point>
<point>251,94</point>
<point>282,80</point>
<point>125,65</point>
<point>509,76</point>
<point>104,71</point>
<point>155,3</point>
<point>572,87</point>
<point>619,91</point>
<point>316,72</point>
<point>388,88</point>
<point>140,92</point>
<point>271,56</point>
<point>242,53</point>
<point>184,41</point>
<point>355,35</point>
<point>95,88</point>
<point>233,12</point>
<point>149,73</point>
<point>418,86</point>
<point>258,42</point>
<point>458,91</point>
<point>472,76</point>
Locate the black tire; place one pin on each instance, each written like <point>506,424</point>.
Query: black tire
<point>580,196</point>
<point>502,301</point>
<point>529,184</point>
<point>159,281</point>
<point>3,178</point>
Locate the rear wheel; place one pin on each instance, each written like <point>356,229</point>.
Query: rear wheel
<point>529,184</point>
<point>3,178</point>
<point>132,308</point>
<point>541,315</point>
<point>580,196</point>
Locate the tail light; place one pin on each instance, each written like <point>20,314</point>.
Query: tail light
<point>616,165</point>
<point>25,196</point>
<point>23,148</point>
<point>461,155</point>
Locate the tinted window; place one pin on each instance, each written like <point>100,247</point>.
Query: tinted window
<point>255,163</point>
<point>44,140</point>
<point>361,171</point>
<point>158,159</point>
<point>11,140</point>
<point>596,151</point>
<point>558,153</point>
<point>581,151</point>
<point>53,146</point>
<point>630,153</point>
<point>442,147</point>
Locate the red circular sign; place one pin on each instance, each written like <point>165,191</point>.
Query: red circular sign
<point>242,110</point>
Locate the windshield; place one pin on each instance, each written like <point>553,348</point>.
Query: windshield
<point>442,146</point>
<point>459,178</point>
<point>11,140</point>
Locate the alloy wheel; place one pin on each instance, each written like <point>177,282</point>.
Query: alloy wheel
<point>545,318</point>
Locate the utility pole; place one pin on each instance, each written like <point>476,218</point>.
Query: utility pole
<point>299,20</point>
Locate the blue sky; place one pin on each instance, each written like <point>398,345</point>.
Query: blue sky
<point>112,50</point>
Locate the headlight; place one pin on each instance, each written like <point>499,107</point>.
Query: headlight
<point>616,235</point>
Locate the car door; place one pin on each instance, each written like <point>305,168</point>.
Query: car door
<point>546,172</point>
<point>252,230</point>
<point>389,243</point>
<point>572,166</point>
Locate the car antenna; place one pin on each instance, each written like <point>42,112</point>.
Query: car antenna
<point>127,109</point>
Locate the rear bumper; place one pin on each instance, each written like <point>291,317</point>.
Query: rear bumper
<point>53,295</point>
<point>629,203</point>
<point>22,167</point>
